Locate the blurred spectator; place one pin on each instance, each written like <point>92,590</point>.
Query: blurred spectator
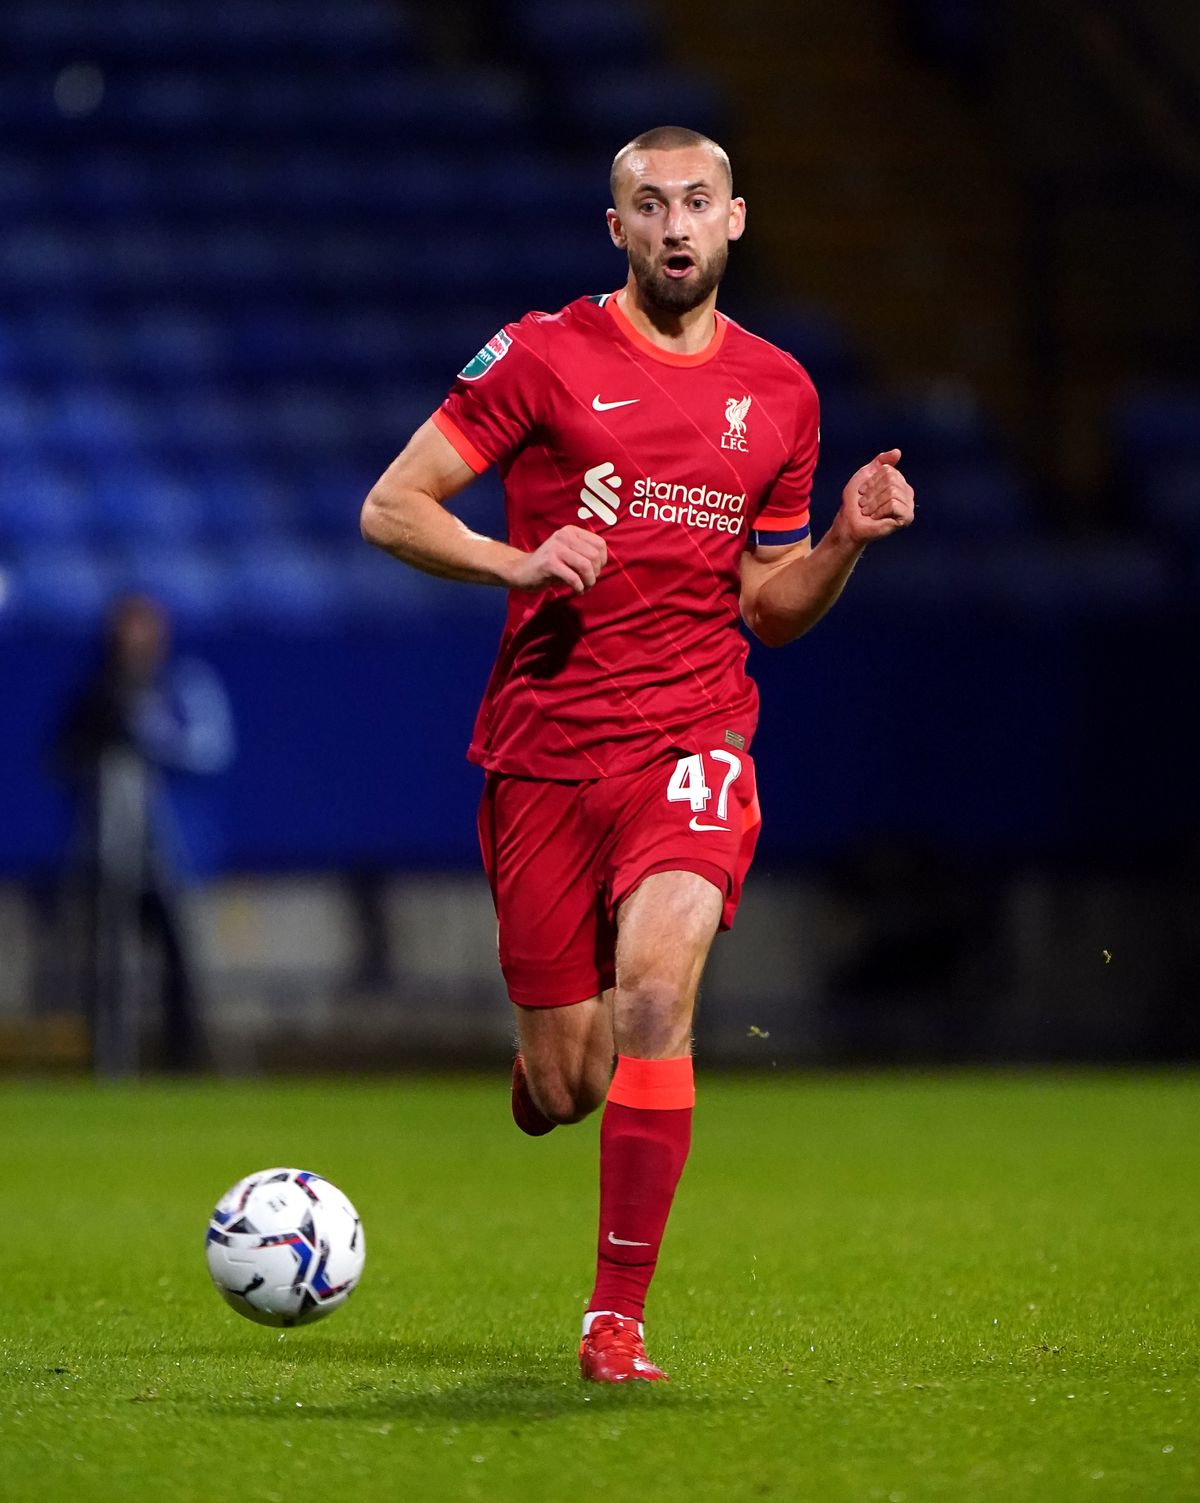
<point>138,719</point>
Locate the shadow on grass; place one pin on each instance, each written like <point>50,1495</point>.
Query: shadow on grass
<point>298,1349</point>
<point>509,1397</point>
<point>394,1379</point>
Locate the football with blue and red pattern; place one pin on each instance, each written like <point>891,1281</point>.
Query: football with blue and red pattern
<point>285,1247</point>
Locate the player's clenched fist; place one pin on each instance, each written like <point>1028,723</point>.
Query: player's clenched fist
<point>572,556</point>
<point>877,499</point>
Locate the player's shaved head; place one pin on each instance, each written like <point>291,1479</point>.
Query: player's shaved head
<point>669,138</point>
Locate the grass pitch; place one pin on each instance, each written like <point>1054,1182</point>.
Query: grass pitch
<point>905,1289</point>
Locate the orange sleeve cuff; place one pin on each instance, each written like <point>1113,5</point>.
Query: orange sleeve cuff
<point>653,1084</point>
<point>782,524</point>
<point>465,449</point>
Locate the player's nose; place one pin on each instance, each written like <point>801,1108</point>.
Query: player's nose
<point>675,231</point>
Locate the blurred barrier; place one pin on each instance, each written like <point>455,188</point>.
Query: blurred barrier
<point>890,957</point>
<point>1025,705</point>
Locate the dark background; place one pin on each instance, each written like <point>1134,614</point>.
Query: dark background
<point>245,249</point>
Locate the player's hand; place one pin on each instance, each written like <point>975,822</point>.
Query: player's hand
<point>877,499</point>
<point>572,556</point>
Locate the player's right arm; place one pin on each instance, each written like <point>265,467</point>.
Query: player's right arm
<point>405,514</point>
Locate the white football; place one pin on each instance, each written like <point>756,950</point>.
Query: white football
<point>285,1247</point>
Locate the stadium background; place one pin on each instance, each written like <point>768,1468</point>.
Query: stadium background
<point>246,247</point>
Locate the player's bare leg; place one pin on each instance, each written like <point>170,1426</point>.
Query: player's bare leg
<point>665,930</point>
<point>564,1062</point>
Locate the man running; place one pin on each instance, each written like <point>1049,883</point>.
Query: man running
<point>657,462</point>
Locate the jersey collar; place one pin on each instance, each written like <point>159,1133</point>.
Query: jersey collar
<point>656,352</point>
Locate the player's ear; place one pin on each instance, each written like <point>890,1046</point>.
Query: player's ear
<point>737,218</point>
<point>615,228</point>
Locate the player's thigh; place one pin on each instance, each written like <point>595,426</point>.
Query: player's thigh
<point>665,929</point>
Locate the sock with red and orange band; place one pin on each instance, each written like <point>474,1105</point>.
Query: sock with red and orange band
<point>645,1134</point>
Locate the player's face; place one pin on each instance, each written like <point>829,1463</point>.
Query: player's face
<point>675,218</point>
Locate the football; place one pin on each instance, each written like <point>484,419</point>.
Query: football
<point>285,1247</point>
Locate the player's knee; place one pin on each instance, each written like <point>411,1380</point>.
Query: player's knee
<point>652,1014</point>
<point>566,1101</point>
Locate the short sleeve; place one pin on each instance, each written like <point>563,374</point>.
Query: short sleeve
<point>491,409</point>
<point>784,516</point>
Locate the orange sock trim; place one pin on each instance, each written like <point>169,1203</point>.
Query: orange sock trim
<point>653,1084</point>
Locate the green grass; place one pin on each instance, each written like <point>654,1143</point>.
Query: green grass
<point>963,1288</point>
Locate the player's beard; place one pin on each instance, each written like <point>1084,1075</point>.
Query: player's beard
<point>665,294</point>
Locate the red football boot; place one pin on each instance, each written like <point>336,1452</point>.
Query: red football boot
<point>525,1113</point>
<point>612,1352</point>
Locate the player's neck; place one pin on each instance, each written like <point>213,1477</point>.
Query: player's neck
<point>681,333</point>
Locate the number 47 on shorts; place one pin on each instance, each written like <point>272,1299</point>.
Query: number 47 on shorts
<point>688,784</point>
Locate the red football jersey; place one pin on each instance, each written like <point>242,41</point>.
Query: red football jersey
<point>680,462</point>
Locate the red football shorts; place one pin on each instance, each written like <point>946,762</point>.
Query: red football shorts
<point>561,858</point>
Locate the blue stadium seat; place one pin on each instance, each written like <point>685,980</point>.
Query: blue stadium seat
<point>110,180</point>
<point>36,29</point>
<point>821,344</point>
<point>142,260</point>
<point>607,104</point>
<point>944,419</point>
<point>24,183</point>
<point>192,583</point>
<point>69,339</point>
<point>207,422</point>
<point>40,259</point>
<point>90,420</point>
<point>1103,577</point>
<point>1166,493</point>
<point>967,498</point>
<point>287,586</point>
<point>65,587</point>
<point>170,100</point>
<point>1153,424</point>
<point>173,342</point>
<point>578,35</point>
<point>42,503</point>
<point>237,261</point>
<point>22,421</point>
<point>141,502</point>
<point>380,589</point>
<point>242,501</point>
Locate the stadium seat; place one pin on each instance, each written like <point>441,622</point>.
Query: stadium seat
<point>966,498</point>
<point>818,341</point>
<point>39,259</point>
<point>140,502</point>
<point>574,36</point>
<point>60,587</point>
<point>241,501</point>
<point>41,502</point>
<point>1167,494</point>
<point>192,583</point>
<point>287,586</point>
<point>601,101</point>
<point>22,421</point>
<point>173,342</point>
<point>90,420</point>
<point>1152,424</point>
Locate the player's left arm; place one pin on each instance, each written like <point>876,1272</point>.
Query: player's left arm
<point>785,591</point>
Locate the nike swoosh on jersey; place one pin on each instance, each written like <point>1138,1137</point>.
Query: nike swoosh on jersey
<point>599,406</point>
<point>692,825</point>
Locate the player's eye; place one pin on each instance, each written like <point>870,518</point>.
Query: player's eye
<point>699,203</point>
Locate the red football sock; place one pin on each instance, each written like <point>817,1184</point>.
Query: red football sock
<point>645,1134</point>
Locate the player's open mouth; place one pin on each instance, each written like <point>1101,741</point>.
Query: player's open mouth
<point>678,265</point>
